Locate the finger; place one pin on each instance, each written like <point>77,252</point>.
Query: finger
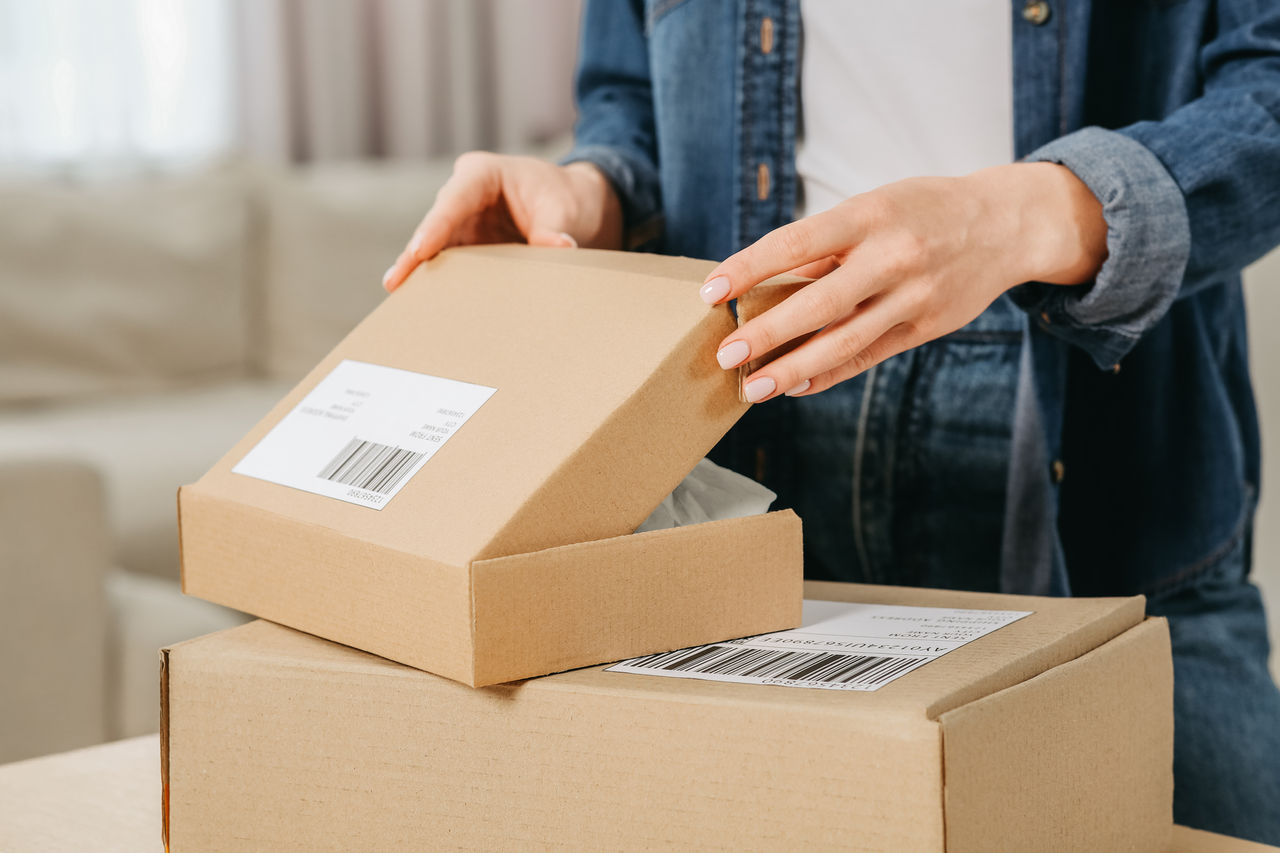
<point>811,307</point>
<point>548,237</point>
<point>897,340</point>
<point>400,269</point>
<point>843,342</point>
<point>475,184</point>
<point>799,243</point>
<point>817,269</point>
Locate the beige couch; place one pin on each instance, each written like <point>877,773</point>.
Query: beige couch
<point>145,324</point>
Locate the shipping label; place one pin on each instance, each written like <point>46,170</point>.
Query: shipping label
<point>363,432</point>
<point>840,646</point>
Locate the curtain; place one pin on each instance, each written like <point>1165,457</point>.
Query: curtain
<point>106,81</point>
<point>338,79</point>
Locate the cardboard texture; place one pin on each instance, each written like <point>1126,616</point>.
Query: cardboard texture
<point>1053,733</point>
<point>1187,840</point>
<point>510,553</point>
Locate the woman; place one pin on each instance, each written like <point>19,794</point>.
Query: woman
<point>1028,376</point>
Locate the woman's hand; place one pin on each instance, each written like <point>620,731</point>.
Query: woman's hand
<point>904,264</point>
<point>494,198</point>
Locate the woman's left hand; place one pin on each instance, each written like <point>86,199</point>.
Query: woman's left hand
<point>904,264</point>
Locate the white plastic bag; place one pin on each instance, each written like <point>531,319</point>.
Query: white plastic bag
<point>709,493</point>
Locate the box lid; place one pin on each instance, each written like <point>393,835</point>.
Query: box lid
<point>607,394</point>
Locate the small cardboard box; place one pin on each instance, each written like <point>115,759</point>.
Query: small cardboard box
<point>455,486</point>
<point>1053,733</point>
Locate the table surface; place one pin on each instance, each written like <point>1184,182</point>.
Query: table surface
<point>107,798</point>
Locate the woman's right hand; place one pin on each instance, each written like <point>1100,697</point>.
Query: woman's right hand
<point>497,198</point>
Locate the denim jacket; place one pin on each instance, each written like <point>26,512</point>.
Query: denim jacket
<point>1136,450</point>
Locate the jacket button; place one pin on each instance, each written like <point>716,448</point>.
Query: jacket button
<point>1115,368</point>
<point>1036,12</point>
<point>762,181</point>
<point>1059,470</point>
<point>766,35</point>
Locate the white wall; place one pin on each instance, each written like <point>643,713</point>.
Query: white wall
<point>1262,286</point>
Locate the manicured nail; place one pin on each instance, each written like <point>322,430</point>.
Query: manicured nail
<point>714,290</point>
<point>731,355</point>
<point>569,241</point>
<point>757,389</point>
<point>799,389</point>
<point>386,276</point>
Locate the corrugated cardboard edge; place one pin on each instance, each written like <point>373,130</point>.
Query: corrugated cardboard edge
<point>713,581</point>
<point>1136,729</point>
<point>164,747</point>
<point>692,271</point>
<point>164,733</point>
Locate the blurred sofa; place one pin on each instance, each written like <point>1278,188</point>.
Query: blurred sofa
<point>145,324</point>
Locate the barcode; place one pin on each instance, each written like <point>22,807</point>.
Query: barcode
<point>814,667</point>
<point>371,466</point>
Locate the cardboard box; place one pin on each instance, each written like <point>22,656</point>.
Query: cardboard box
<point>509,553</point>
<point>1053,733</point>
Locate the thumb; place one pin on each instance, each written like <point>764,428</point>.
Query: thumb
<point>547,237</point>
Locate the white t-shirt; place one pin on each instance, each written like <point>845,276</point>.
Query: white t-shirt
<point>892,90</point>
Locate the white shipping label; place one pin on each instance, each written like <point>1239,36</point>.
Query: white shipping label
<point>839,646</point>
<point>363,432</point>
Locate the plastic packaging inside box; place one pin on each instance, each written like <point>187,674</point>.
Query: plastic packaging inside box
<point>709,493</point>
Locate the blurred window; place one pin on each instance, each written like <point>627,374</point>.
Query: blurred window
<point>103,81</point>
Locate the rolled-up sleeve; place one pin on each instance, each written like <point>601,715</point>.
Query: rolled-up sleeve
<point>1148,242</point>
<point>1189,200</point>
<point>615,127</point>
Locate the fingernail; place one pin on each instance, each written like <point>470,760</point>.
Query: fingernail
<point>386,276</point>
<point>572,243</point>
<point>714,290</point>
<point>799,389</point>
<point>757,389</point>
<point>731,355</point>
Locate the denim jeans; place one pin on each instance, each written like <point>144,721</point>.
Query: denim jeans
<point>1226,761</point>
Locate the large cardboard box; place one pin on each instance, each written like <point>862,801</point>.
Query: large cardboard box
<point>1053,733</point>
<point>455,486</point>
